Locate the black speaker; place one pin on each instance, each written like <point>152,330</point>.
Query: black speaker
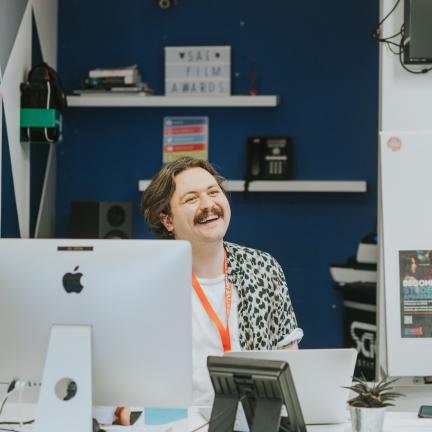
<point>100,220</point>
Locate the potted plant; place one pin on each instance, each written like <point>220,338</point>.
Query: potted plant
<point>368,408</point>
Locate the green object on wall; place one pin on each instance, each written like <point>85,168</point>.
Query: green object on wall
<point>35,117</point>
<point>39,117</point>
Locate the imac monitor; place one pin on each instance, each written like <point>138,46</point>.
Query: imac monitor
<point>133,295</point>
<point>417,47</point>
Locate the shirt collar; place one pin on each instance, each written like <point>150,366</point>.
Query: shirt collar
<point>235,272</point>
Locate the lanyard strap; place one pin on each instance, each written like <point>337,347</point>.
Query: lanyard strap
<point>224,333</point>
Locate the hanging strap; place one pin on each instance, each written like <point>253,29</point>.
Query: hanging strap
<point>224,333</point>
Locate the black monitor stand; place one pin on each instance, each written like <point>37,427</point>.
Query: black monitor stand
<point>262,387</point>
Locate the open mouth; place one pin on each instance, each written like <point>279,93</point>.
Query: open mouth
<point>209,219</point>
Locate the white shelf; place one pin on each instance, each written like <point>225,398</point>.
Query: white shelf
<point>288,186</point>
<point>172,101</point>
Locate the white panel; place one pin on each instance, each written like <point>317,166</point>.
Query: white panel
<point>381,351</point>
<point>406,98</point>
<point>167,101</point>
<point>288,186</point>
<point>45,225</point>
<point>12,12</point>
<point>45,12</point>
<point>18,66</point>
<point>300,186</point>
<point>1,149</point>
<point>406,212</point>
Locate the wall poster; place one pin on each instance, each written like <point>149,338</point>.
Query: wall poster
<point>185,136</point>
<point>415,269</point>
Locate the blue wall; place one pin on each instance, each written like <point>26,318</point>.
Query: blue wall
<point>317,55</point>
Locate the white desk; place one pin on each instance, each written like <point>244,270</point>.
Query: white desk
<point>394,421</point>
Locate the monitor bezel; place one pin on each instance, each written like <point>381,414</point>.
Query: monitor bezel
<point>407,59</point>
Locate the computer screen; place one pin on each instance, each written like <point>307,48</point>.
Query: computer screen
<point>418,32</point>
<point>135,295</point>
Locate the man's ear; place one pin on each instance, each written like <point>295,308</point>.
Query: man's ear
<point>167,221</point>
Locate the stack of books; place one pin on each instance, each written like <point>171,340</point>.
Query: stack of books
<point>120,81</point>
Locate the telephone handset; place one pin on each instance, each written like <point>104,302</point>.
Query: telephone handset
<point>255,163</point>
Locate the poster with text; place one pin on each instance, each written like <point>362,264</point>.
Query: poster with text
<point>185,136</point>
<point>415,268</point>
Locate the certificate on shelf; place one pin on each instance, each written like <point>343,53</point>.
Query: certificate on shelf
<point>185,136</point>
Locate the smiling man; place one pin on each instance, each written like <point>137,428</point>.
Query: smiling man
<point>240,299</point>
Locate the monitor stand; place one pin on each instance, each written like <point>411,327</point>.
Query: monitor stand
<point>264,416</point>
<point>69,356</point>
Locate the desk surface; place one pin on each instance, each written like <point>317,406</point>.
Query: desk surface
<point>394,421</point>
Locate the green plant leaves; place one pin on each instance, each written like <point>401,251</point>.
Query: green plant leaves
<point>373,397</point>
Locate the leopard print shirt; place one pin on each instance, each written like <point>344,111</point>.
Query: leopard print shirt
<point>265,313</point>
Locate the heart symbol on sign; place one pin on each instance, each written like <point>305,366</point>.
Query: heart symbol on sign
<point>181,55</point>
<point>217,55</point>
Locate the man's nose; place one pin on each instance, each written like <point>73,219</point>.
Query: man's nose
<point>206,203</point>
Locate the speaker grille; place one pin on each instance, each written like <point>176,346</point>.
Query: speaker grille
<point>116,216</point>
<point>103,220</point>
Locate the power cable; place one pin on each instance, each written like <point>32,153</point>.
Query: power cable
<point>375,34</point>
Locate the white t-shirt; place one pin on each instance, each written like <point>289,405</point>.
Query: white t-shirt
<point>206,340</point>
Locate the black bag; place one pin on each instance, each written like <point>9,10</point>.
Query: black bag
<point>43,89</point>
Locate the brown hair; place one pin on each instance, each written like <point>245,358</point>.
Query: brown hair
<point>156,198</point>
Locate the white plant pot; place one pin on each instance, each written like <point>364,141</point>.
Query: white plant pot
<point>367,419</point>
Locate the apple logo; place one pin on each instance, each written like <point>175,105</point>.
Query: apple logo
<point>72,282</point>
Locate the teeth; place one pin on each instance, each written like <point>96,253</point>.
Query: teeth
<point>210,218</point>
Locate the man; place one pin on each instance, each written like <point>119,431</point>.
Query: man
<point>186,200</point>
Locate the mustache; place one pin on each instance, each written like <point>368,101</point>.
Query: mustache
<point>205,214</point>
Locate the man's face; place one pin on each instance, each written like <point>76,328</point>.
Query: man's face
<point>200,211</point>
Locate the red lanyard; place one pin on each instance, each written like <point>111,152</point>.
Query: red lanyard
<point>224,333</point>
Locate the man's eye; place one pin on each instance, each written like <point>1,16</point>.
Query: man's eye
<point>190,199</point>
<point>215,192</point>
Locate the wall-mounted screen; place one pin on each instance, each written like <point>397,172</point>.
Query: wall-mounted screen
<point>418,32</point>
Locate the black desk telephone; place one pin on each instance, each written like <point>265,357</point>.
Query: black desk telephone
<point>268,158</point>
